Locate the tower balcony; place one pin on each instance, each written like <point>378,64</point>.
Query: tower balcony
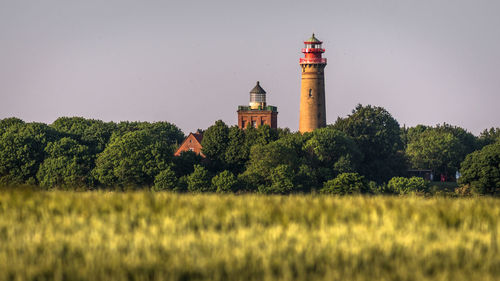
<point>313,50</point>
<point>312,61</point>
<point>260,108</point>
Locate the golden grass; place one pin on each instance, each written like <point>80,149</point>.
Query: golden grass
<point>162,236</point>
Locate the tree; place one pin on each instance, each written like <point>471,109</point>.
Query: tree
<point>199,180</point>
<point>333,151</point>
<point>22,150</point>
<point>184,163</point>
<point>437,150</point>
<point>481,170</point>
<point>9,122</point>
<point>237,152</point>
<point>165,180</point>
<point>224,182</point>
<point>468,141</point>
<point>170,133</point>
<point>166,131</point>
<point>90,132</point>
<point>346,184</point>
<point>215,142</point>
<point>282,180</point>
<point>68,164</point>
<point>403,185</point>
<point>264,159</point>
<point>489,136</point>
<point>98,134</point>
<point>133,159</point>
<point>377,135</point>
<point>261,135</point>
<point>307,179</point>
<point>72,126</point>
<point>410,134</point>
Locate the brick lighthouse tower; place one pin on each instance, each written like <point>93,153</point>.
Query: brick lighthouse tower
<point>258,112</point>
<point>312,91</point>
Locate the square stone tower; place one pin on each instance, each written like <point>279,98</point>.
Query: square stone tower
<point>258,112</point>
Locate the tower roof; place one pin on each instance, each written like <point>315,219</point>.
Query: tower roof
<point>313,39</point>
<point>258,89</point>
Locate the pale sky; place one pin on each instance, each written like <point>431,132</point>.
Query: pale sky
<point>193,62</point>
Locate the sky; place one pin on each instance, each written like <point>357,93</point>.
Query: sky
<point>193,62</point>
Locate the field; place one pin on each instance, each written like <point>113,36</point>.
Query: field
<point>161,236</point>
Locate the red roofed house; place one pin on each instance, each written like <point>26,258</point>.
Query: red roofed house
<point>191,143</point>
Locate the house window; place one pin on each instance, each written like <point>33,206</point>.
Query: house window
<point>191,149</point>
<point>254,123</point>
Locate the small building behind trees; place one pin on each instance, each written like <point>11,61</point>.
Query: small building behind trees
<point>426,174</point>
<point>191,143</point>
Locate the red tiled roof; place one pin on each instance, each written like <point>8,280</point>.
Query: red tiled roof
<point>198,137</point>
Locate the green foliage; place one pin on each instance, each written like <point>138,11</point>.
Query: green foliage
<point>184,163</point>
<point>215,141</point>
<point>240,143</point>
<point>225,182</point>
<point>133,159</point>
<point>9,122</point>
<point>377,135</point>
<point>467,140</point>
<point>93,133</point>
<point>441,148</point>
<point>22,150</point>
<point>282,178</point>
<point>132,154</point>
<point>199,180</point>
<point>68,164</point>
<point>410,134</point>
<point>182,184</point>
<point>165,180</point>
<point>306,179</point>
<point>98,134</point>
<point>161,130</point>
<point>489,136</point>
<point>237,151</point>
<point>481,170</point>
<point>436,150</point>
<point>72,126</point>
<point>346,183</point>
<point>403,185</point>
<point>264,159</point>
<point>166,131</point>
<point>334,150</point>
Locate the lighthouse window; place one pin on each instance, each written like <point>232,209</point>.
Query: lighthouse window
<point>254,97</point>
<point>310,93</point>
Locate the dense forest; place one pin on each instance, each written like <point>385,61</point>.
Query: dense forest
<point>366,152</point>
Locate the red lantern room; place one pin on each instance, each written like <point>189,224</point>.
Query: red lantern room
<point>312,51</point>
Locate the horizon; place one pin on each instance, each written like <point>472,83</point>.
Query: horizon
<point>193,63</point>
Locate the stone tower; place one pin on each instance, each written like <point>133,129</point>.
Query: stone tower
<point>312,91</point>
<point>258,112</point>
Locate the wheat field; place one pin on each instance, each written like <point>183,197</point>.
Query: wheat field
<point>163,236</point>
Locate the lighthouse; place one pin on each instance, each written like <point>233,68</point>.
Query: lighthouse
<point>312,90</point>
<point>258,112</point>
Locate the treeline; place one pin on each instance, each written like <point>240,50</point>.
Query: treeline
<point>365,152</point>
